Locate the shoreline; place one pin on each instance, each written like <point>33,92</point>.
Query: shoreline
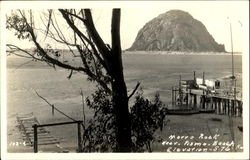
<point>179,53</point>
<point>190,129</point>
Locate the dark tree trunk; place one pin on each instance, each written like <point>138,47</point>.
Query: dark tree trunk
<point>120,104</point>
<point>122,118</point>
<point>119,89</point>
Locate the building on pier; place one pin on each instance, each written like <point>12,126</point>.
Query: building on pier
<point>208,95</point>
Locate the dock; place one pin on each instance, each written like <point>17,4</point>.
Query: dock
<point>208,96</point>
<point>25,123</point>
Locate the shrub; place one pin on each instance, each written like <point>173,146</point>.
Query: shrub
<point>146,118</point>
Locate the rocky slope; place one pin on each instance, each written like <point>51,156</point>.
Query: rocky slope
<point>175,30</point>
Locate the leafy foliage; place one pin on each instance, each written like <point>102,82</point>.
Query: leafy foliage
<point>146,117</point>
<point>20,26</point>
<point>99,135</point>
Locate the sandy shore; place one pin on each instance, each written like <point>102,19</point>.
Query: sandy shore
<point>211,131</point>
<point>177,135</point>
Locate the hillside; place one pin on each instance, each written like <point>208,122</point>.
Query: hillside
<point>175,30</point>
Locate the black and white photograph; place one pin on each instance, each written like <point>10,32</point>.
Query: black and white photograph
<point>145,79</point>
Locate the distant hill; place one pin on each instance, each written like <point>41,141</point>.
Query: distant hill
<point>175,30</point>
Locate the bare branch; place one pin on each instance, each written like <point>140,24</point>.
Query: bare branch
<point>31,19</point>
<point>75,15</point>
<point>103,61</point>
<point>61,36</point>
<point>49,20</point>
<point>61,39</point>
<point>14,49</point>
<point>55,62</point>
<point>47,57</point>
<point>23,64</point>
<point>94,34</point>
<point>133,92</point>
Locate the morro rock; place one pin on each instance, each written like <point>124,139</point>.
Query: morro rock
<point>175,30</point>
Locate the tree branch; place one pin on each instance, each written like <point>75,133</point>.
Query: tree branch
<point>14,48</point>
<point>133,92</point>
<point>23,64</point>
<point>45,55</point>
<point>105,52</point>
<point>82,36</point>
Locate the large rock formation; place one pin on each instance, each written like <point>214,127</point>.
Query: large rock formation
<point>175,30</point>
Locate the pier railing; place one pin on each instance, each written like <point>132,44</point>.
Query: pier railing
<point>79,137</point>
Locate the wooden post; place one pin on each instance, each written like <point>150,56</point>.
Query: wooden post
<point>35,142</point>
<point>195,100</point>
<point>180,92</point>
<point>240,108</point>
<point>212,103</point>
<point>53,110</point>
<point>203,101</point>
<point>200,98</point>
<point>79,136</point>
<point>221,106</point>
<point>172,96</point>
<point>203,78</point>
<point>224,106</point>
<point>236,108</point>
<point>206,102</point>
<point>233,106</point>
<point>203,91</point>
<point>219,109</point>
<point>229,107</point>
<point>216,105</point>
<point>191,99</point>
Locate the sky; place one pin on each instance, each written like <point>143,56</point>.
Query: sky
<point>215,15</point>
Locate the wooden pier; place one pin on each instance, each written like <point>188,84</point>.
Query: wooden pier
<point>35,134</point>
<point>25,124</point>
<point>191,95</point>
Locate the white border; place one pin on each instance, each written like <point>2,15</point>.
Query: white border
<point>3,85</point>
<point>62,156</point>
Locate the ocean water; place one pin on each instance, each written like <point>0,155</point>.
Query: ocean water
<point>155,72</point>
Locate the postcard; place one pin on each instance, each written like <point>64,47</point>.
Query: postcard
<point>124,80</point>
